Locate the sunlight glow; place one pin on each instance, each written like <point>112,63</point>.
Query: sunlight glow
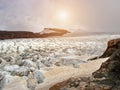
<point>63,15</point>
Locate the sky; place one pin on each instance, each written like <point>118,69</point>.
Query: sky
<point>35,15</point>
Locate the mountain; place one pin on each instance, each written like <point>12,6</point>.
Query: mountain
<point>47,32</point>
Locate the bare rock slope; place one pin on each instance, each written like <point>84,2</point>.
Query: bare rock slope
<point>112,46</point>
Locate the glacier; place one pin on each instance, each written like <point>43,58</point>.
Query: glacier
<point>21,58</point>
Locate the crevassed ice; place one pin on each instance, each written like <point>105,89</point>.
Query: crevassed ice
<point>69,45</point>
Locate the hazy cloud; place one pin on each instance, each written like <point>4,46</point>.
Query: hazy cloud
<point>34,15</point>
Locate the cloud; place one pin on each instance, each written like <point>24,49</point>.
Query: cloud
<point>34,15</point>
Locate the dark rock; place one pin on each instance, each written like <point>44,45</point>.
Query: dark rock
<point>85,83</point>
<point>27,34</point>
<point>112,46</point>
<point>110,68</point>
<point>15,34</point>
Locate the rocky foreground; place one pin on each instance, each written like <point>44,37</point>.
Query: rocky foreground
<point>107,77</point>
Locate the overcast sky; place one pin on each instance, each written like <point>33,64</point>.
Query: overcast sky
<point>34,15</point>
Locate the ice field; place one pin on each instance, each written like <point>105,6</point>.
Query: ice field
<point>33,63</point>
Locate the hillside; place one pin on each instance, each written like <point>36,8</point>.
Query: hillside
<point>47,32</point>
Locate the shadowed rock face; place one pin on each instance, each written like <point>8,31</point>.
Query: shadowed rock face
<point>113,45</point>
<point>110,68</point>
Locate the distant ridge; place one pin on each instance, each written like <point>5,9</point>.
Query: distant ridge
<point>47,32</point>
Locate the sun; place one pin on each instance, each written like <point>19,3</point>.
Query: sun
<point>63,15</point>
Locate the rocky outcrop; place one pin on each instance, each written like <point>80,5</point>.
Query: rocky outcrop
<point>47,32</point>
<point>111,68</point>
<point>112,46</point>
